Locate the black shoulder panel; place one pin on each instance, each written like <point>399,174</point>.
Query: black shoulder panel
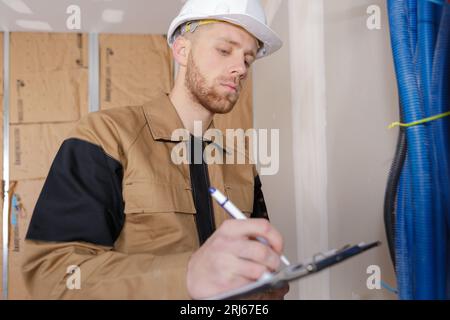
<point>82,197</point>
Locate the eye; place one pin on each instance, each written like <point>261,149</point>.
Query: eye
<point>223,52</point>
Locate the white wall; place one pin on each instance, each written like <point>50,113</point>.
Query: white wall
<point>335,148</point>
<point>272,110</point>
<point>361,102</point>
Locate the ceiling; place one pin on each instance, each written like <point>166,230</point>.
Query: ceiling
<point>109,16</point>
<point>97,16</point>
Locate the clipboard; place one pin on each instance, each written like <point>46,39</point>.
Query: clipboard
<point>294,272</point>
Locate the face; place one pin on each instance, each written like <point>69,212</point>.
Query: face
<point>218,64</point>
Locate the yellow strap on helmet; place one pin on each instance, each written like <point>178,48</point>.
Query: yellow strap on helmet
<point>187,27</point>
<point>195,24</point>
<point>203,22</point>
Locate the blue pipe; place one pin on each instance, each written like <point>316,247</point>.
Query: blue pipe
<point>403,232</point>
<point>426,268</point>
<point>422,63</point>
<point>439,128</point>
<point>412,26</point>
<point>440,99</point>
<point>418,154</point>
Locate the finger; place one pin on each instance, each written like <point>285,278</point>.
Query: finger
<point>252,228</point>
<point>257,252</point>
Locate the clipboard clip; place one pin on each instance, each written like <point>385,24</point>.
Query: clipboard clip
<point>322,260</point>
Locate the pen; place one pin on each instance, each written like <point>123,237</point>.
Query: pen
<point>237,214</point>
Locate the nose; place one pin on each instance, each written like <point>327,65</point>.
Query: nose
<point>239,69</point>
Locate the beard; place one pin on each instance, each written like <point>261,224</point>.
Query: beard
<point>210,98</point>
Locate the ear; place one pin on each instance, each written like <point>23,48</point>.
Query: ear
<point>180,50</point>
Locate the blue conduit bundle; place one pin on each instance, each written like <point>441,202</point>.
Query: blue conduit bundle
<point>417,216</point>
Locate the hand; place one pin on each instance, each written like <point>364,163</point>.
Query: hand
<point>231,258</point>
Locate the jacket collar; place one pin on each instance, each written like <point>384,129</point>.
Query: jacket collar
<point>163,119</point>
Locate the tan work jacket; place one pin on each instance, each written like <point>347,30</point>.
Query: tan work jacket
<point>116,217</point>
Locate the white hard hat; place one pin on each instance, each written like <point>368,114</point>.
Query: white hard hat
<point>249,14</point>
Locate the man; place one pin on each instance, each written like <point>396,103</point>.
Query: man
<point>118,218</point>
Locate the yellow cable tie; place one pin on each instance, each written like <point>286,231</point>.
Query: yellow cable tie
<point>415,123</point>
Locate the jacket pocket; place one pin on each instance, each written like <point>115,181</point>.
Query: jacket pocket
<point>160,218</point>
<point>241,196</point>
<point>145,196</point>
